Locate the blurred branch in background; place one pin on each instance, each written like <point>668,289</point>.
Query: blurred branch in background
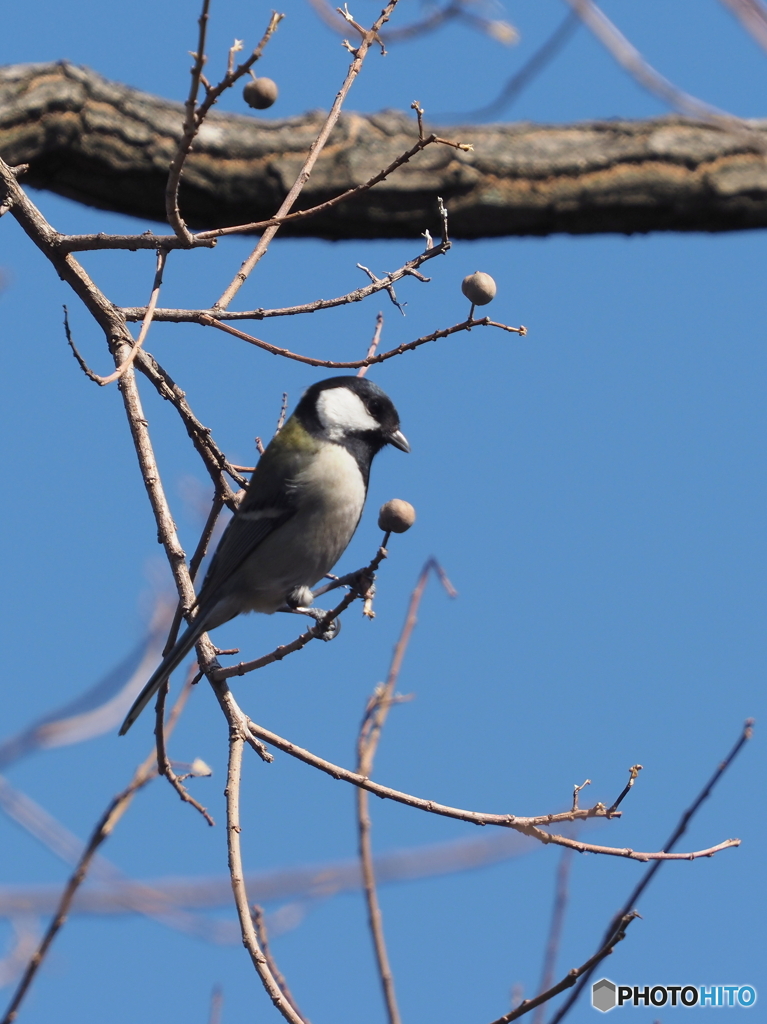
<point>313,882</point>
<point>533,66</point>
<point>752,14</point>
<point>100,708</point>
<point>467,11</point>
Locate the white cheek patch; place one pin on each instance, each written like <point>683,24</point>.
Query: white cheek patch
<point>340,411</point>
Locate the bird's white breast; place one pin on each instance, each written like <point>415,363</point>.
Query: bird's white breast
<point>330,493</point>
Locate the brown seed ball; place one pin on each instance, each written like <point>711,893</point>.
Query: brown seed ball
<point>396,516</point>
<point>479,288</point>
<point>260,93</point>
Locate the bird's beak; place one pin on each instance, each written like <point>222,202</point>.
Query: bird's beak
<point>398,439</point>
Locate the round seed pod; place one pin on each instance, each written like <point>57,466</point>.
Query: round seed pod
<point>479,288</point>
<point>396,516</point>
<point>260,93</point>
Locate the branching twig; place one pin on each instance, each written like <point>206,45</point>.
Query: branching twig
<point>276,222</point>
<point>409,269</point>
<point>356,364</point>
<point>317,146</point>
<point>373,344</point>
<point>676,835</point>
<point>532,827</point>
<point>195,115</point>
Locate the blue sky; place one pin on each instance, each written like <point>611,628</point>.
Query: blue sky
<point>595,492</point>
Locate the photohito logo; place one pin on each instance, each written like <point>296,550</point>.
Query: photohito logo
<point>606,995</point>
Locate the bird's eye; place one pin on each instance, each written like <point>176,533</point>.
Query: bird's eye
<point>375,407</point>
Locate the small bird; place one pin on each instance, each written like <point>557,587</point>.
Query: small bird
<point>299,512</point>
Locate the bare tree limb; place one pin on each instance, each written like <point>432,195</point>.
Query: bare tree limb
<point>532,827</point>
<point>106,145</point>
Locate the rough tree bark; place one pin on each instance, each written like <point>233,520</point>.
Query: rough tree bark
<point>109,146</point>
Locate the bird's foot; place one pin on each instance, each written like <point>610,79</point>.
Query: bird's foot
<point>318,614</point>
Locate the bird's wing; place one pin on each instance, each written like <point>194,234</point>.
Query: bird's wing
<point>264,509</point>
<point>243,535</point>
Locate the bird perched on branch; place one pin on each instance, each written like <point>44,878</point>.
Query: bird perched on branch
<point>298,514</point>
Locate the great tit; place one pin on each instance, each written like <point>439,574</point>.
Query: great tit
<point>298,514</point>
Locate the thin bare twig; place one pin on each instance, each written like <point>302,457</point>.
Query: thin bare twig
<point>356,364</point>
<point>316,148</point>
<point>194,115</point>
<point>577,791</point>
<point>373,344</point>
<point>674,838</point>
<point>617,935</point>
<point>189,131</point>
<point>283,414</point>
<point>233,830</point>
<point>312,211</point>
<point>409,269</point>
<point>634,771</point>
<point>162,256</point>
<point>373,721</point>
<point>263,938</point>
<point>147,240</point>
<point>164,767</point>
<point>216,463</point>
<point>194,565</point>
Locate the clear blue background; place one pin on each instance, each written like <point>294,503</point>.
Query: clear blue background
<point>595,491</point>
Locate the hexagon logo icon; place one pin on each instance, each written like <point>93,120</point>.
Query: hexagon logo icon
<point>603,995</point>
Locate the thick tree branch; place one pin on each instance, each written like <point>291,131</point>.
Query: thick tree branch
<point>109,146</point>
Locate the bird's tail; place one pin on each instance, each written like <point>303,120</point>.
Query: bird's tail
<point>170,662</point>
